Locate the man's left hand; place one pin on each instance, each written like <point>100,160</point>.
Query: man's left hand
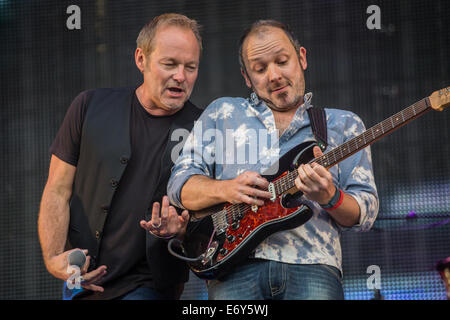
<point>168,223</point>
<point>315,181</point>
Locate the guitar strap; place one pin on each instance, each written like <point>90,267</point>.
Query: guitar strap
<point>318,120</point>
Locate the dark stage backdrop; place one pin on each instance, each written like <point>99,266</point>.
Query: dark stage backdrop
<point>374,73</point>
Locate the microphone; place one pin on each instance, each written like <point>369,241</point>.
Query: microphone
<point>76,258</point>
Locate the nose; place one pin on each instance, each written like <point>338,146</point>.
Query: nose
<point>179,76</point>
<point>274,73</point>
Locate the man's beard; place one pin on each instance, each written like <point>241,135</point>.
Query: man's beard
<point>298,99</point>
<point>298,94</point>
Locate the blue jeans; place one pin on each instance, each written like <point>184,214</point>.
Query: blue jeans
<point>265,279</point>
<point>137,294</point>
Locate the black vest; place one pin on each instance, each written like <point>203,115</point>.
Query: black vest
<point>104,152</point>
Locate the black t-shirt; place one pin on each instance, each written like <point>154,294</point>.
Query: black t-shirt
<point>123,245</point>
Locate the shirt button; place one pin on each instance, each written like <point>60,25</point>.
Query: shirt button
<point>123,160</point>
<point>105,208</point>
<point>97,235</point>
<point>114,183</point>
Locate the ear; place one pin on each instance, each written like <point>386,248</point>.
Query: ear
<point>140,59</point>
<point>247,80</point>
<point>303,62</point>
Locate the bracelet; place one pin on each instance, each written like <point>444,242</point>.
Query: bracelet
<point>335,201</point>
<point>341,199</point>
<point>161,237</point>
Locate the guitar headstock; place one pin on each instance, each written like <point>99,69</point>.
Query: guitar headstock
<point>440,99</point>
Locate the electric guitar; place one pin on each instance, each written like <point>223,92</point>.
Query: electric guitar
<point>225,234</point>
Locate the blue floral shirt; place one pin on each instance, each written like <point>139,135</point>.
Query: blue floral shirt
<point>234,135</point>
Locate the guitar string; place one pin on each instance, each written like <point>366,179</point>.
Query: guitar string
<point>353,144</point>
<point>384,126</point>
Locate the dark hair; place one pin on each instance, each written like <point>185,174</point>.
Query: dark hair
<point>260,26</point>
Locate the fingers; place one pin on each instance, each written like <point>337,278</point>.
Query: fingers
<point>159,219</point>
<point>93,287</point>
<point>184,218</point>
<point>321,171</point>
<point>95,275</point>
<point>251,178</point>
<point>185,215</point>
<point>311,178</point>
<point>303,175</point>
<point>165,208</point>
<point>317,152</point>
<point>90,279</point>
<point>314,176</point>
<point>156,220</point>
<point>315,181</point>
<point>148,225</point>
<point>254,192</point>
<point>302,186</point>
<point>172,222</point>
<point>183,221</point>
<point>249,200</point>
<point>251,188</point>
<point>167,222</point>
<point>254,196</point>
<point>86,264</point>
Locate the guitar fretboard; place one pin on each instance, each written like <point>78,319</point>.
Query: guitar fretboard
<point>358,143</point>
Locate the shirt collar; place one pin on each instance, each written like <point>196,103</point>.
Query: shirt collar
<point>265,115</point>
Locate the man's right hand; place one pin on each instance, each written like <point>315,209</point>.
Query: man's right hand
<point>249,187</point>
<point>58,266</point>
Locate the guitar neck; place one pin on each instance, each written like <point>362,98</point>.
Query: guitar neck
<point>361,141</point>
<point>373,134</point>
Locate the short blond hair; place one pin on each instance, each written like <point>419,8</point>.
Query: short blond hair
<point>148,32</point>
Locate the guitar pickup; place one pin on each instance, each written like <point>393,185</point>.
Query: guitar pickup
<point>272,191</point>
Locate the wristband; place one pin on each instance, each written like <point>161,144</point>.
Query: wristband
<point>341,199</point>
<point>335,201</point>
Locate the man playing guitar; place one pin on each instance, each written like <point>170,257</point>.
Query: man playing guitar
<point>304,262</point>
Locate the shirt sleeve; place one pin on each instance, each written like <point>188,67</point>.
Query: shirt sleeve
<point>198,155</point>
<point>356,177</point>
<point>66,145</point>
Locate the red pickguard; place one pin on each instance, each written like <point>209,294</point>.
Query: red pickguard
<point>251,221</point>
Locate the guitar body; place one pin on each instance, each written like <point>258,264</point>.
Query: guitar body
<point>220,253</point>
